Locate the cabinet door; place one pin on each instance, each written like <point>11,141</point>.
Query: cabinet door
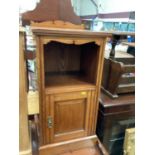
<point>67,116</point>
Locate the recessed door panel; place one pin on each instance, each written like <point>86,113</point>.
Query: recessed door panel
<point>70,115</point>
<point>67,116</point>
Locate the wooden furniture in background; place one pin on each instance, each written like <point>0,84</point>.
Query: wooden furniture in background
<point>69,66</point>
<point>116,37</point>
<point>118,76</point>
<point>24,137</point>
<point>114,117</point>
<point>50,10</point>
<point>119,70</point>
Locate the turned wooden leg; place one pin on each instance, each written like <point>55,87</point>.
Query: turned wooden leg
<point>115,40</point>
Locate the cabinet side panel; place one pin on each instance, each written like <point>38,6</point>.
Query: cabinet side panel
<point>40,74</point>
<point>89,60</point>
<point>99,77</point>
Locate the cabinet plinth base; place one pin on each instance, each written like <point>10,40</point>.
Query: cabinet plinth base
<point>89,144</point>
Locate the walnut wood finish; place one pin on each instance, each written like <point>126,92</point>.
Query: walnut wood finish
<point>117,77</point>
<point>70,66</point>
<point>48,10</point>
<point>114,43</point>
<point>125,99</point>
<point>116,36</point>
<point>24,139</point>
<point>115,74</point>
<point>111,111</point>
<point>70,34</point>
<point>57,24</point>
<point>67,123</point>
<point>82,146</point>
<point>72,60</point>
<point>87,145</point>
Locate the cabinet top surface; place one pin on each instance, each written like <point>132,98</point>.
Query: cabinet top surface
<point>48,31</point>
<point>60,31</point>
<point>124,99</point>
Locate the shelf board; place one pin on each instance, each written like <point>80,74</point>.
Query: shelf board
<point>58,83</point>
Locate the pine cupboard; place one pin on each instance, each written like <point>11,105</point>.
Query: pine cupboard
<point>69,64</point>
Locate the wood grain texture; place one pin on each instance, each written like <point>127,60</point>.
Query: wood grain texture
<point>124,99</point>
<point>24,138</point>
<point>72,59</point>
<point>57,24</point>
<point>48,10</point>
<point>99,79</point>
<point>66,117</point>
<point>90,143</point>
<point>71,40</point>
<point>69,88</point>
<point>91,112</point>
<point>46,31</point>
<point>89,62</point>
<point>68,57</point>
<point>66,80</point>
<point>67,123</point>
<point>115,74</point>
<point>112,111</point>
<point>76,146</point>
<point>120,76</point>
<point>85,151</point>
<point>71,80</point>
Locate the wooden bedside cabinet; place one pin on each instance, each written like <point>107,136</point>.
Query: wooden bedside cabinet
<point>69,64</point>
<point>115,115</point>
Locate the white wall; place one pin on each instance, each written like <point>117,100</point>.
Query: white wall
<point>110,6</point>
<point>76,6</point>
<point>86,7</point>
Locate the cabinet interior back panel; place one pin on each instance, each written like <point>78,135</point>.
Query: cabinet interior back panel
<point>60,57</point>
